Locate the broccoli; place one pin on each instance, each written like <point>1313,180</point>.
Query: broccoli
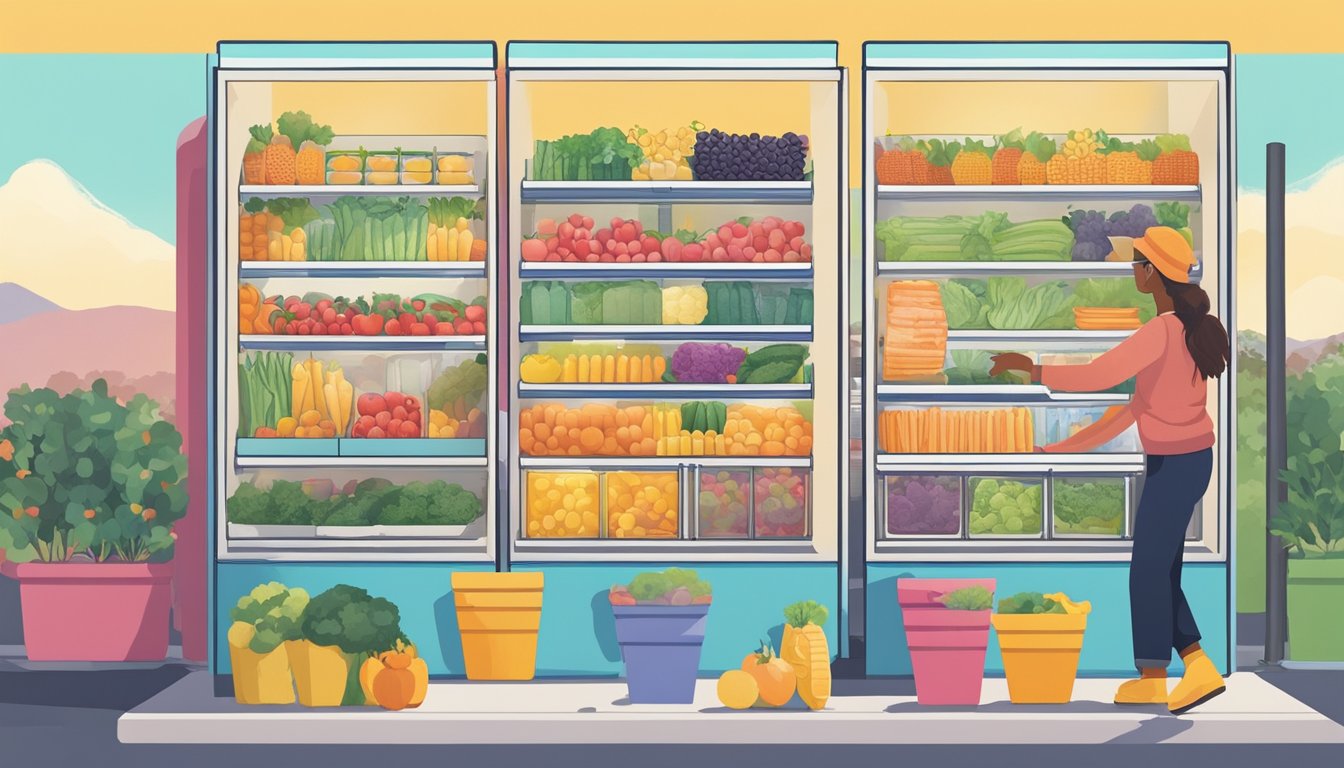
<point>347,617</point>
<point>248,505</point>
<point>433,503</point>
<point>274,612</point>
<point>288,504</point>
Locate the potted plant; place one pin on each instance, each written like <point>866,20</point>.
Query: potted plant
<point>1311,524</point>
<point>660,626</point>
<point>339,629</point>
<point>89,490</point>
<point>947,631</point>
<point>498,617</point>
<point>264,620</point>
<point>1041,637</point>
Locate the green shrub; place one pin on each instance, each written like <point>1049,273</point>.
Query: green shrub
<point>83,474</point>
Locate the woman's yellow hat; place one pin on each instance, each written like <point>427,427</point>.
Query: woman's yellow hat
<point>1167,250</point>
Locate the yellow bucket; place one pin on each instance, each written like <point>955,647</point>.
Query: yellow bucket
<point>261,678</point>
<point>1040,654</point>
<point>319,673</point>
<point>498,616</point>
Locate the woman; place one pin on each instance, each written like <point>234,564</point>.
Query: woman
<point>1172,357</point>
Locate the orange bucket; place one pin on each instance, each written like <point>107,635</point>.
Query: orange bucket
<point>1040,654</point>
<point>498,617</point>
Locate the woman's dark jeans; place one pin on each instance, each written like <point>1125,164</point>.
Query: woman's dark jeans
<point>1159,613</point>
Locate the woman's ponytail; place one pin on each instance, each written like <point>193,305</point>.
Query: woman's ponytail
<point>1205,336</point>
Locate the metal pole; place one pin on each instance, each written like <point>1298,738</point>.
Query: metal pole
<point>1276,414</point>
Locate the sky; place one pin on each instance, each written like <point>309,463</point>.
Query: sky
<point>1292,98</point>
<point>111,121</point>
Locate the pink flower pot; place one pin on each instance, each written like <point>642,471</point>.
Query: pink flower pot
<point>94,611</point>
<point>947,647</point>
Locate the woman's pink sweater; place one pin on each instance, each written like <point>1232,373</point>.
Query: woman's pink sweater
<point>1170,397</point>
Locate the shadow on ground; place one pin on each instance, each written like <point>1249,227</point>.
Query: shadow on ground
<point>117,690</point>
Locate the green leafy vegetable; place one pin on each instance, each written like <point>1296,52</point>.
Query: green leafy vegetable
<point>1172,214</point>
<point>1171,142</point>
<point>1029,602</point>
<point>975,598</point>
<point>972,367</point>
<point>806,612</point>
<point>298,127</point>
<point>1040,145</point>
<point>1014,306</point>
<point>261,136</point>
<point>1089,507</point>
<point>965,310</point>
<point>653,586</point>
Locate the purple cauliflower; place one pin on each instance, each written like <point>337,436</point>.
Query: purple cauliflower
<point>706,363</point>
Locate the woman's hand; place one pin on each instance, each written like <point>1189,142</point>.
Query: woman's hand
<point>1012,361</point>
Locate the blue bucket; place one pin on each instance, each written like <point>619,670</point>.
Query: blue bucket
<point>661,647</point>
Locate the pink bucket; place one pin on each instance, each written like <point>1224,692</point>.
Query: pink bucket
<point>94,611</point>
<point>947,647</point>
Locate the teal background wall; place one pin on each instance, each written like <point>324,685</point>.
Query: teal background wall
<point>1107,648</point>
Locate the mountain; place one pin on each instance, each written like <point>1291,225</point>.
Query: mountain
<point>1303,354</point>
<point>134,341</point>
<point>17,302</point>
<point>62,243</point>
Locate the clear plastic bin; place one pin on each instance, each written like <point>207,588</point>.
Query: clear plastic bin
<point>562,505</point>
<point>1089,506</point>
<point>782,508</point>
<point>1008,507</point>
<point>724,498</point>
<point>923,505</point>
<point>643,505</point>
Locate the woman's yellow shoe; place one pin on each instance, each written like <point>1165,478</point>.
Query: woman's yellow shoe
<point>1200,683</point>
<point>1145,690</point>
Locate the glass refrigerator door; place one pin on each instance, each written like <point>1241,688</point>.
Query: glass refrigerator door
<point>675,360</point>
<point>355,302</point>
<point>995,177</point>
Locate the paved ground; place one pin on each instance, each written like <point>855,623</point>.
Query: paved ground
<point>64,718</point>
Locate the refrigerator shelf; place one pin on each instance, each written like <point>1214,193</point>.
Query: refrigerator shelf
<point>946,269</point>
<point>600,463</point>
<point>1070,192</point>
<point>665,391</point>
<point>1071,339</point>
<point>666,191</point>
<point>666,332</point>
<point>344,462</point>
<point>263,269</point>
<point>363,343</point>
<point>330,191</point>
<point>1008,394</point>
<point>715,270</point>
<point>1032,463</point>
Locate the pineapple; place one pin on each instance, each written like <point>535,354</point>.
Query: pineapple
<point>1176,164</point>
<point>1008,157</point>
<point>280,156</point>
<point>1037,151</point>
<point>254,156</point>
<point>941,155</point>
<point>805,648</point>
<point>309,164</point>
<point>973,164</point>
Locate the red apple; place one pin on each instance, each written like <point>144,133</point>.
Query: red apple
<point>370,404</point>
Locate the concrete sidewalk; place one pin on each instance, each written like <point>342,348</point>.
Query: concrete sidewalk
<point>870,712</point>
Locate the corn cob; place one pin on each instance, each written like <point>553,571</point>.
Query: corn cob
<point>973,164</point>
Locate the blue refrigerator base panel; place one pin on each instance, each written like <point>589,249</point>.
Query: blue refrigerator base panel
<point>420,590</point>
<point>577,638</point>
<point>1107,646</point>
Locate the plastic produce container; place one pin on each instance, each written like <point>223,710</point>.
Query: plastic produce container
<point>642,505</point>
<point>562,505</point>
<point>724,500</point>
<point>1008,507</point>
<point>923,505</point>
<point>1089,506</point>
<point>782,506</point>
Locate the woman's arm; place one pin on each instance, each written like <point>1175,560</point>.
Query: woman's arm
<point>1143,348</point>
<point>1115,420</point>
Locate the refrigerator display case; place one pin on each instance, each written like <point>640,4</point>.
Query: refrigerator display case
<point>676,369</point>
<point>353,315</point>
<point>994,175</point>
